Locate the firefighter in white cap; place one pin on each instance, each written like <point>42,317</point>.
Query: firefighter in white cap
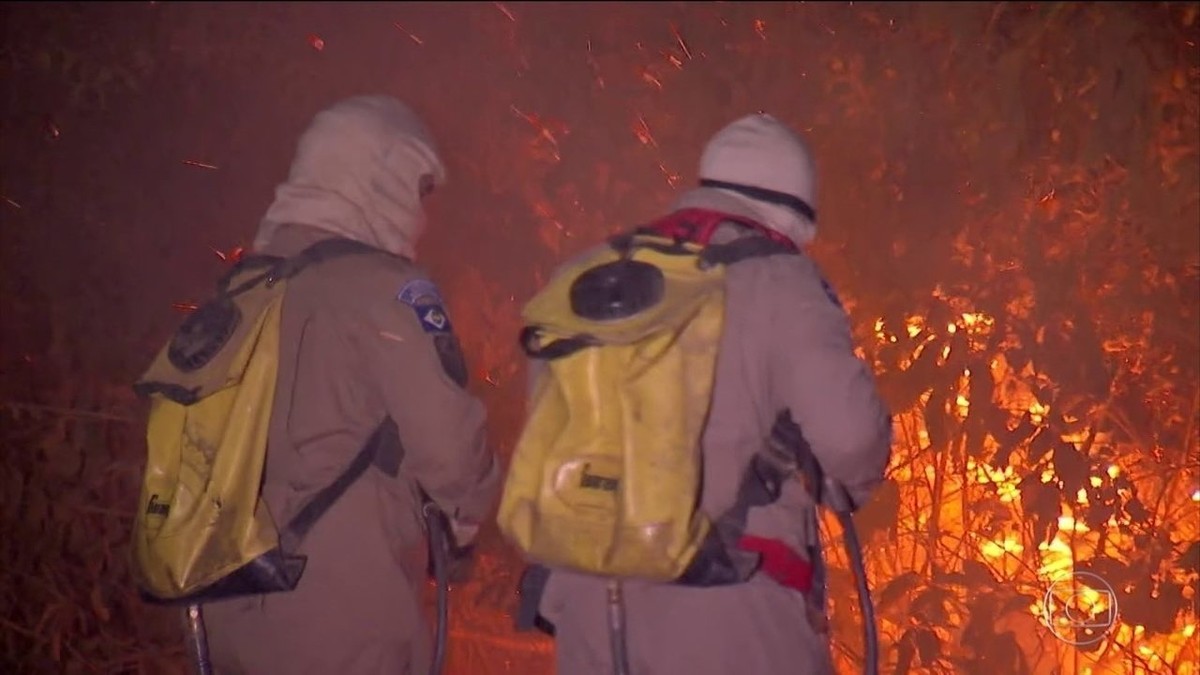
<point>786,346</point>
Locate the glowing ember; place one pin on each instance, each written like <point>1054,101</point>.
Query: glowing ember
<point>681,42</point>
<point>642,131</point>
<point>649,77</point>
<point>591,60</point>
<point>505,11</point>
<point>316,42</point>
<point>184,307</point>
<point>50,128</point>
<point>671,176</point>
<point>546,128</point>
<point>202,165</point>
<point>232,256</point>
<point>760,27</point>
<point>410,34</point>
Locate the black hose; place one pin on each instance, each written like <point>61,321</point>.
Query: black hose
<point>870,635</point>
<point>197,639</point>
<point>839,500</point>
<point>616,628</point>
<point>439,545</point>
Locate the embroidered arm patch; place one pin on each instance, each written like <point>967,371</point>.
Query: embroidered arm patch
<point>422,295</point>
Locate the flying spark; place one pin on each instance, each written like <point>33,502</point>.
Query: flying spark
<point>760,27</point>
<point>232,256</point>
<point>649,77</point>
<point>681,42</point>
<point>10,202</point>
<point>671,176</point>
<point>642,131</point>
<point>316,41</point>
<point>202,165</point>
<point>409,33</point>
<point>543,128</point>
<point>184,306</point>
<point>593,65</point>
<point>51,128</point>
<point>506,11</point>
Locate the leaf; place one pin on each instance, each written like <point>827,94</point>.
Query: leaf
<point>1018,603</point>
<point>1071,467</point>
<point>907,386</point>
<point>937,422</point>
<point>930,606</point>
<point>929,646</point>
<point>984,415</point>
<point>1189,560</point>
<point>1006,650</point>
<point>47,614</point>
<point>981,622</point>
<point>1110,570</point>
<point>977,573</point>
<point>1041,504</point>
<point>906,653</point>
<point>898,588</point>
<point>1137,511</point>
<point>98,606</point>
<point>1097,513</point>
<point>1041,443</point>
<point>882,512</point>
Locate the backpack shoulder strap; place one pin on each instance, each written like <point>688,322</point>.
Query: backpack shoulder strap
<point>383,449</point>
<point>275,268</point>
<point>323,250</point>
<point>744,248</point>
<point>697,227</point>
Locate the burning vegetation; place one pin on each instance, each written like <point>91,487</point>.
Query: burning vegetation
<point>1010,208</point>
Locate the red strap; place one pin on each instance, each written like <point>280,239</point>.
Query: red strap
<point>697,226</point>
<point>780,562</point>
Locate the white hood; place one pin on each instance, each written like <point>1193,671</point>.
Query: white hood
<point>358,174</point>
<point>759,151</point>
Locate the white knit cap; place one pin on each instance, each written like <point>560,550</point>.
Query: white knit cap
<point>767,165</point>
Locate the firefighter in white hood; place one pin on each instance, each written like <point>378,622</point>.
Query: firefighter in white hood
<point>363,338</point>
<point>786,346</point>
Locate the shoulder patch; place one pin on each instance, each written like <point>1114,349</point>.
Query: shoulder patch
<point>420,291</point>
<point>423,296</point>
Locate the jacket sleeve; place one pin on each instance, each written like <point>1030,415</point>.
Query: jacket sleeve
<point>815,374</point>
<point>420,372</point>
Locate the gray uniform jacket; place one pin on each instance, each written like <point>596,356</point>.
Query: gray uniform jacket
<point>786,345</point>
<point>352,352</point>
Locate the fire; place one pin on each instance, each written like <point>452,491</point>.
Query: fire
<point>914,325</point>
<point>1009,545</point>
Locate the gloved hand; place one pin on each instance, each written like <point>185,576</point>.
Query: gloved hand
<point>464,533</point>
<point>454,541</point>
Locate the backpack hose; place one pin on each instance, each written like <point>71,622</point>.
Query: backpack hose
<point>838,499</point>
<point>438,544</point>
<point>616,628</point>
<point>197,636</point>
<point>841,504</point>
<point>197,639</point>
